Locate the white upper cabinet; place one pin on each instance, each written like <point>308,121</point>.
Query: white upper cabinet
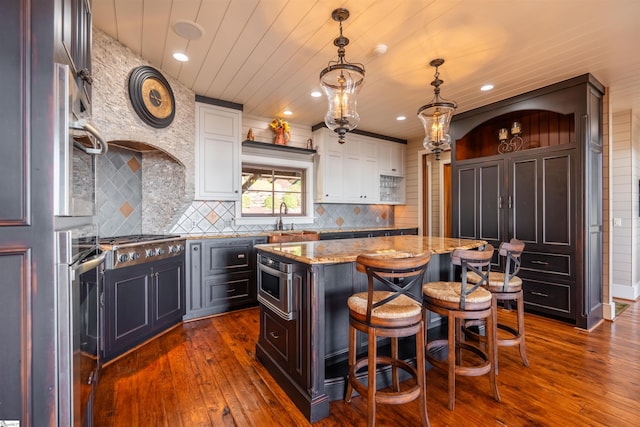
<point>391,158</point>
<point>328,167</point>
<point>361,170</point>
<point>218,168</point>
<point>350,172</point>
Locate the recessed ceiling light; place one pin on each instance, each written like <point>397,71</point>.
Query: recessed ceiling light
<point>179,56</point>
<point>287,113</point>
<point>316,94</point>
<point>486,87</point>
<point>401,118</point>
<point>188,29</point>
<point>380,49</point>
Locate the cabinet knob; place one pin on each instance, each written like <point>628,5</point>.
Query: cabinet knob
<point>195,249</point>
<point>274,335</point>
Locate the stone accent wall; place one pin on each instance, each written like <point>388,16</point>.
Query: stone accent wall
<point>168,172</point>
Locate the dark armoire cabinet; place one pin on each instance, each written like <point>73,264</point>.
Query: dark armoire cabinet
<point>544,189</point>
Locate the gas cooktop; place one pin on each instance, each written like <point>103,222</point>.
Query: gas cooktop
<point>136,238</point>
<point>140,248</point>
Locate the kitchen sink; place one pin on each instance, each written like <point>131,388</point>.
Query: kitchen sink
<point>293,236</point>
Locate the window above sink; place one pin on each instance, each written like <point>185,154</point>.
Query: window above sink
<point>269,181</point>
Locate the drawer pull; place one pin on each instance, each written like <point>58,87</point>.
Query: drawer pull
<point>229,291</point>
<point>539,294</point>
<point>539,262</point>
<point>274,335</point>
<point>240,256</point>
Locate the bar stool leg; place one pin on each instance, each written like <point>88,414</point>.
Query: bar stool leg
<point>494,315</point>
<point>522,346</point>
<point>492,343</point>
<point>372,386</point>
<point>352,361</point>
<point>394,367</point>
<point>422,379</point>
<point>451,356</point>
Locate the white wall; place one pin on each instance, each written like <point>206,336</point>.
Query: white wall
<point>625,212</point>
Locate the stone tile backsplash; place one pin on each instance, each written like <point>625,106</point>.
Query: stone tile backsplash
<point>213,217</point>
<point>119,192</point>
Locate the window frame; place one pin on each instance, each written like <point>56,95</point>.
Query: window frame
<point>275,207</point>
<point>285,162</point>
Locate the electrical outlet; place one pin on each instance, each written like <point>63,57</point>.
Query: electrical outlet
<point>228,222</point>
<point>193,223</point>
<point>617,222</point>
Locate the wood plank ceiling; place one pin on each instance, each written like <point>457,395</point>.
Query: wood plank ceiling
<point>267,54</point>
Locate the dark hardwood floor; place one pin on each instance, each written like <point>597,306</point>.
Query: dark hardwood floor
<point>204,373</point>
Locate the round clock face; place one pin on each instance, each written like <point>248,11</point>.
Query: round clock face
<point>151,96</point>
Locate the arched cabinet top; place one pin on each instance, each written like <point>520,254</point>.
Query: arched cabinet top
<point>516,131</point>
<point>548,116</point>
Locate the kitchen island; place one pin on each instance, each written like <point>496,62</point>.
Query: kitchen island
<point>304,343</point>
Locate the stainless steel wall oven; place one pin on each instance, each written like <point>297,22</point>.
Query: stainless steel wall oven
<point>76,144</point>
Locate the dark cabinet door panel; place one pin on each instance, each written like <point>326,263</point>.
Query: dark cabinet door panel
<point>467,203</point>
<point>130,307</point>
<point>276,337</point>
<point>556,198</point>
<point>522,201</point>
<point>169,294</point>
<point>490,197</point>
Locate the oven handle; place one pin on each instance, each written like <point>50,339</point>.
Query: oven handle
<point>102,144</point>
<point>89,264</point>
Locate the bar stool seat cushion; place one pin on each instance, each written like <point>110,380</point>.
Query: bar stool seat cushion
<point>400,307</point>
<point>496,281</point>
<point>450,292</point>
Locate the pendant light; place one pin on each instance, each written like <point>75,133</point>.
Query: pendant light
<point>436,116</point>
<point>341,82</point>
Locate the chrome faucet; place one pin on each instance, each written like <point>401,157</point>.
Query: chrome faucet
<point>280,226</point>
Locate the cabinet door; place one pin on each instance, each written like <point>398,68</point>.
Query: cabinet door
<point>128,318</point>
<point>391,156</point>
<point>328,164</point>
<point>480,205</point>
<point>218,167</point>
<point>541,189</point>
<point>168,294</point>
<point>360,164</point>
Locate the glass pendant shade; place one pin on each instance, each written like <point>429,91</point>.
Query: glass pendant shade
<point>436,117</point>
<point>341,83</point>
<point>435,120</point>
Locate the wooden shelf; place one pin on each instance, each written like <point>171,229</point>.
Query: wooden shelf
<point>270,146</point>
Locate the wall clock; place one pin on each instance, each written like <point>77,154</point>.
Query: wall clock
<point>151,96</point>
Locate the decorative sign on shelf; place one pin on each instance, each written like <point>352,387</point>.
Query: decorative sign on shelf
<point>510,145</point>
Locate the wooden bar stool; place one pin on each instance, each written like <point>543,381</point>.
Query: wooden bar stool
<point>507,286</point>
<point>459,302</point>
<point>388,309</point>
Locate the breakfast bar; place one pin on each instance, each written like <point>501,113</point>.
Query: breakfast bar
<point>303,288</point>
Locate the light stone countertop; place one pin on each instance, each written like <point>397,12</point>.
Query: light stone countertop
<point>347,250</point>
<point>225,235</point>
